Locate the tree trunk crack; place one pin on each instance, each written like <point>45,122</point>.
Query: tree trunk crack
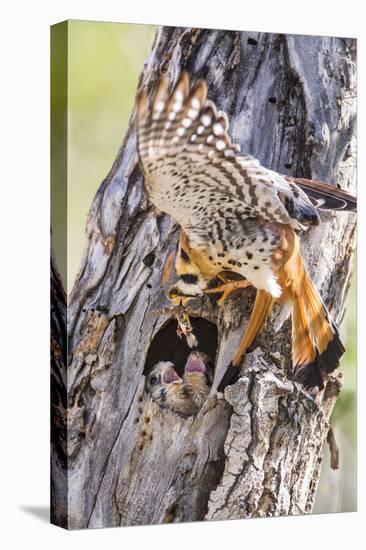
<point>108,456</point>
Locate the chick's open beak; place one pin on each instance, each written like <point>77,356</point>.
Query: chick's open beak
<point>171,377</point>
<point>195,364</point>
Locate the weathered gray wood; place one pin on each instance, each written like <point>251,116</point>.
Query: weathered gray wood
<point>58,400</point>
<point>290,102</point>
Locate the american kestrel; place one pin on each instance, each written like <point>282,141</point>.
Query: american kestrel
<point>182,395</point>
<point>236,216</point>
<point>198,377</point>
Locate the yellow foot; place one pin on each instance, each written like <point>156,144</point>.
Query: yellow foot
<point>223,277</point>
<point>227,289</point>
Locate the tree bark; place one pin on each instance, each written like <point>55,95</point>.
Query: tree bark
<point>257,452</point>
<point>58,349</point>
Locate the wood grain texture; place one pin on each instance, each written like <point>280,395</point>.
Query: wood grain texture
<point>58,347</point>
<point>291,103</point>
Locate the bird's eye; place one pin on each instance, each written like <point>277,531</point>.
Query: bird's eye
<point>173,293</point>
<point>153,380</point>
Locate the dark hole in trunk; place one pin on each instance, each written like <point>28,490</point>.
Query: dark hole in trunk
<point>167,346</point>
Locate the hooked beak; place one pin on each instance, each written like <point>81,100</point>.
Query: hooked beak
<point>181,301</point>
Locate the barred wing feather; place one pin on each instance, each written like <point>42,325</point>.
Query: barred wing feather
<point>193,170</point>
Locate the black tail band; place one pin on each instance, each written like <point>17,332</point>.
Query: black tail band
<point>230,377</point>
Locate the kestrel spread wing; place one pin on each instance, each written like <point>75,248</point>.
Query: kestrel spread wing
<point>238,216</point>
<point>194,172</point>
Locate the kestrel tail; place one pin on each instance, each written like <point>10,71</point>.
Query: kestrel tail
<point>236,216</point>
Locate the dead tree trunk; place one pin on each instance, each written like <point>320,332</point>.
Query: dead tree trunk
<point>58,400</point>
<point>290,102</point>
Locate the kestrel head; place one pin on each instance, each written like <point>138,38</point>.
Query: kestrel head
<point>198,376</point>
<point>181,292</point>
<point>168,390</point>
<point>163,382</point>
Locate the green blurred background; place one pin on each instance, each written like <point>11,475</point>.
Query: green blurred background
<point>105,60</point>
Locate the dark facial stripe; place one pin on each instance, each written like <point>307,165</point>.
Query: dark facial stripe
<point>184,256</point>
<point>189,278</point>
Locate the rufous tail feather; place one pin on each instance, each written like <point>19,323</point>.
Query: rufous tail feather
<point>316,345</point>
<point>261,309</point>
